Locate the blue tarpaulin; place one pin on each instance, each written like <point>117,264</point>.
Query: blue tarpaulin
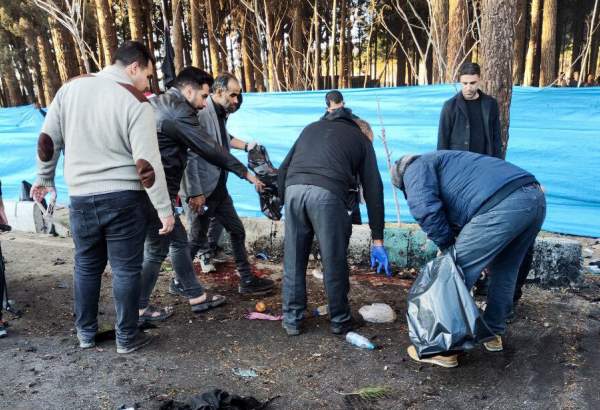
<point>554,133</point>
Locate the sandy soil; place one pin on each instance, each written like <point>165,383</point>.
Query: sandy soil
<point>551,359</point>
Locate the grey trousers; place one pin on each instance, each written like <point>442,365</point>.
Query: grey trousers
<point>499,239</point>
<point>311,210</point>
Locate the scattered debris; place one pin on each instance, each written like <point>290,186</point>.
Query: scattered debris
<point>359,341</point>
<point>322,310</point>
<point>377,313</point>
<point>58,261</point>
<point>317,274</point>
<point>245,373</point>
<point>262,316</point>
<point>361,398</point>
<point>260,307</point>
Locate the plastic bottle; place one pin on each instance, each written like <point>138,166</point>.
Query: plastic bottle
<point>359,341</point>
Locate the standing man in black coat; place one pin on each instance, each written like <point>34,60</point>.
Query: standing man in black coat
<point>469,121</point>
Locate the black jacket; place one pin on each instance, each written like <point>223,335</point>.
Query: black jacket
<point>178,129</point>
<point>331,153</point>
<point>454,132</point>
<point>445,189</point>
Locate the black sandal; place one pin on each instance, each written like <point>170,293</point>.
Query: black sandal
<point>163,314</point>
<point>212,301</point>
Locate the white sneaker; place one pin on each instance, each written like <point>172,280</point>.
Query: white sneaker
<point>206,264</point>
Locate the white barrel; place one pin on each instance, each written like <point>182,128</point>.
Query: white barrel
<point>24,216</point>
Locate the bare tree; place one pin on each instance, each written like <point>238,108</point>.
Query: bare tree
<point>534,34</point>
<point>520,37</point>
<point>593,26</point>
<point>548,61</point>
<point>73,19</point>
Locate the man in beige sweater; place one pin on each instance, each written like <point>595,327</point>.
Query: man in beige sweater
<point>106,130</point>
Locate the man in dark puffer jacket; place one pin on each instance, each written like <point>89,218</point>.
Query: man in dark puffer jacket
<point>489,209</point>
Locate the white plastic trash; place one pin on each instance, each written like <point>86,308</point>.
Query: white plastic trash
<point>377,313</point>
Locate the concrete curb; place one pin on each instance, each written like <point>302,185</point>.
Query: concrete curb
<point>557,261</point>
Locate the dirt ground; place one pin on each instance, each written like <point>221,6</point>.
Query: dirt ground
<point>551,358</point>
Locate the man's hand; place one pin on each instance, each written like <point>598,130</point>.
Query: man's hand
<point>39,192</point>
<point>250,145</point>
<point>168,222</point>
<point>379,257</point>
<point>196,204</point>
<point>259,186</point>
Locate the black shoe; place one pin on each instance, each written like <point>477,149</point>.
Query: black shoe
<point>345,327</point>
<point>142,339</point>
<point>256,286</point>
<point>176,288</point>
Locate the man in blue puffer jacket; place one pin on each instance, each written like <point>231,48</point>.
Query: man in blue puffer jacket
<point>489,209</point>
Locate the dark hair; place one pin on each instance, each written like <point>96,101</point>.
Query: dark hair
<point>333,96</point>
<point>469,68</point>
<point>192,76</point>
<point>222,81</point>
<point>131,52</point>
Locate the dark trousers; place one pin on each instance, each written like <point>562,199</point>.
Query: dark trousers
<point>108,227</point>
<point>499,239</point>
<point>156,249</point>
<point>311,210</point>
<point>220,206</point>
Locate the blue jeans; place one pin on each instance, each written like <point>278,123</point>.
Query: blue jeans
<point>499,239</point>
<point>108,227</point>
<point>311,210</point>
<point>156,249</point>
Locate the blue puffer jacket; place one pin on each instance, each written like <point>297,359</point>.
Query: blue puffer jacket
<point>445,189</point>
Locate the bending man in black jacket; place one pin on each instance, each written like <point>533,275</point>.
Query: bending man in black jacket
<point>489,209</point>
<point>316,176</point>
<point>469,121</point>
<point>178,130</point>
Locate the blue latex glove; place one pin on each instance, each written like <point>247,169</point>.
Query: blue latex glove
<point>379,256</point>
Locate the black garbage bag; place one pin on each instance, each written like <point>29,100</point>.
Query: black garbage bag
<point>260,164</point>
<point>216,399</point>
<point>442,315</point>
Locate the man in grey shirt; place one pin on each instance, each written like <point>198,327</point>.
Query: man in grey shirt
<point>106,130</point>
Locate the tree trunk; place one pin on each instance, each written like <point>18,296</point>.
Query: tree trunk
<point>34,63</point>
<point>136,28</point>
<point>579,13</point>
<point>547,63</point>
<point>213,42</point>
<point>148,10</point>
<point>317,45</point>
<point>245,51</point>
<point>458,23</point>
<point>332,44</point>
<point>257,57</point>
<point>594,53</point>
<point>439,32</point>
<point>497,45</point>
<point>196,29</point>
<point>534,34</point>
<point>48,67</point>
<point>106,27</point>
<point>342,50</point>
<point>298,44</point>
<point>274,84</point>
<point>401,62</point>
<point>177,32</point>
<point>520,36</point>
<point>64,50</point>
<point>13,92</point>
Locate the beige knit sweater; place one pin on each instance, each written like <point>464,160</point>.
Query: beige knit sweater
<point>107,132</point>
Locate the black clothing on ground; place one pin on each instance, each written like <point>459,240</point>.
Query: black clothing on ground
<point>455,130</point>
<point>477,141</point>
<point>178,129</point>
<point>331,153</point>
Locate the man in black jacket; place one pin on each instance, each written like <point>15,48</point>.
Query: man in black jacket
<point>316,177</point>
<point>489,209</point>
<point>469,121</point>
<point>178,130</point>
